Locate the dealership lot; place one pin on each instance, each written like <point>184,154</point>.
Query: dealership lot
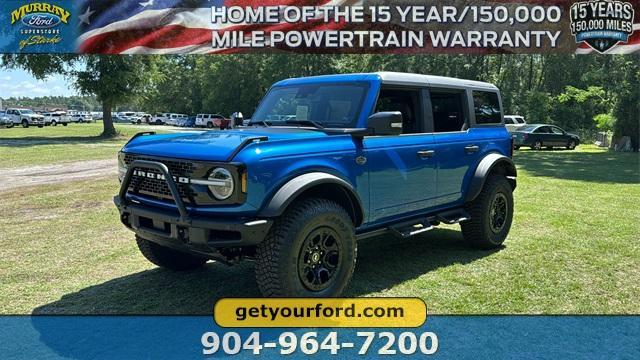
<point>571,249</point>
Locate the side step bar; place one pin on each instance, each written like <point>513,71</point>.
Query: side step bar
<point>419,226</point>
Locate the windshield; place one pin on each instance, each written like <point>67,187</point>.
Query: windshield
<point>329,105</point>
<point>26,111</point>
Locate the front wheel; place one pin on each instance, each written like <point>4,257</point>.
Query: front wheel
<point>54,123</point>
<point>309,252</point>
<point>168,258</point>
<point>25,124</point>
<point>491,214</point>
<point>571,145</point>
<point>210,125</point>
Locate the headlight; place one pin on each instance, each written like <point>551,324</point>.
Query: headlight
<point>221,183</point>
<point>122,167</point>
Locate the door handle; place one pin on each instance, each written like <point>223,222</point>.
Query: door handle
<point>425,154</point>
<point>471,149</point>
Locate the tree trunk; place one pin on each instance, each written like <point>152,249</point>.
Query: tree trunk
<point>107,121</point>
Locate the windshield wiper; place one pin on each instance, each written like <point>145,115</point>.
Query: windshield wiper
<point>305,122</point>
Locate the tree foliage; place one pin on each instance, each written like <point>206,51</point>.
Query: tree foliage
<point>566,90</point>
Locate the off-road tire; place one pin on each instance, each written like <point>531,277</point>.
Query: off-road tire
<point>277,256</point>
<point>54,123</point>
<point>64,124</point>
<point>478,230</point>
<point>168,258</point>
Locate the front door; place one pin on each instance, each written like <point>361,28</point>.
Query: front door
<point>402,169</point>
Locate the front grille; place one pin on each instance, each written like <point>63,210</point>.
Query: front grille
<point>159,188</point>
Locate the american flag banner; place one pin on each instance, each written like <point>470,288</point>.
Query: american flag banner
<point>186,27</point>
<point>170,26</point>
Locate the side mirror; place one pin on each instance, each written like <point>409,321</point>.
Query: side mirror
<point>385,123</point>
<point>237,119</point>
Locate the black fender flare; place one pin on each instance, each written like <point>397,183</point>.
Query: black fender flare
<point>487,165</point>
<point>295,187</point>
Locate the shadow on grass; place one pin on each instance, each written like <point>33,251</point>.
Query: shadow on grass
<point>383,263</point>
<point>602,167</point>
<point>29,141</point>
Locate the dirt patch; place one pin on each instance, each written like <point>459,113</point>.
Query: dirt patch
<point>50,174</point>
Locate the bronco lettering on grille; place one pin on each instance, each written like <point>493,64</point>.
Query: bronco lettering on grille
<point>152,175</point>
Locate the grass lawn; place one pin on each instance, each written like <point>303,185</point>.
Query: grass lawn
<point>573,249</point>
<point>39,146</point>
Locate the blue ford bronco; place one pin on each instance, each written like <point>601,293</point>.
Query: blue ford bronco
<point>324,162</point>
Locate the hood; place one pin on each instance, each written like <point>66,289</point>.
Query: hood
<point>211,145</point>
<point>33,115</point>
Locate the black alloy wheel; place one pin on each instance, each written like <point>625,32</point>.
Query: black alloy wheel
<point>319,259</point>
<point>498,212</point>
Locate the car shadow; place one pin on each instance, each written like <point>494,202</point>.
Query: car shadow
<point>602,167</point>
<point>383,262</point>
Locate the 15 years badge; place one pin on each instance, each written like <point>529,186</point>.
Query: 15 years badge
<point>602,24</point>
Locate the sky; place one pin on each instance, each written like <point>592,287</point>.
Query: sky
<point>19,83</point>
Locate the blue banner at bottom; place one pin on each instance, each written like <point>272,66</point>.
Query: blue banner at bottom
<point>184,337</point>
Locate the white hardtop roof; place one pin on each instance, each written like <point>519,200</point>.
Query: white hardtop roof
<point>397,78</point>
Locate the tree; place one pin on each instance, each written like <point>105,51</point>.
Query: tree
<point>112,79</point>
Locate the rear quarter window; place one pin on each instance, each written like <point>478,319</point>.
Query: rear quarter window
<point>487,107</point>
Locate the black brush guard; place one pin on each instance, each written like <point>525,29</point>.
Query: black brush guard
<point>184,232</point>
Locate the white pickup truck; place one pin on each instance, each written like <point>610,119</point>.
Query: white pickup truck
<point>25,117</point>
<point>55,118</point>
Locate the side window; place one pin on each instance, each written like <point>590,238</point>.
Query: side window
<point>487,107</point>
<point>557,131</point>
<point>509,120</point>
<point>542,130</point>
<point>405,101</point>
<point>448,111</point>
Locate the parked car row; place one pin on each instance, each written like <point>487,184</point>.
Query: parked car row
<point>26,117</point>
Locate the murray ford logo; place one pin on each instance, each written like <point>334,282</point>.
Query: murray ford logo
<point>40,15</point>
<point>41,20</point>
<point>156,176</point>
<point>602,24</point>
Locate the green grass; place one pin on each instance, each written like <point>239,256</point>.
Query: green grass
<point>573,249</point>
<point>39,146</point>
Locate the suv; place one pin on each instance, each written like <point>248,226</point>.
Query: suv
<point>80,117</point>
<point>25,117</point>
<point>350,157</point>
<point>514,122</point>
<point>212,121</point>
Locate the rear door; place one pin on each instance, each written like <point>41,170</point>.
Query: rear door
<point>402,168</point>
<point>559,138</point>
<point>465,123</point>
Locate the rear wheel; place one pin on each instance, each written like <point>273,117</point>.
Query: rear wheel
<point>64,124</point>
<point>168,258</point>
<point>537,145</point>
<point>309,252</point>
<point>491,214</point>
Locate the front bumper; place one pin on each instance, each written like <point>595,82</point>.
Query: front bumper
<point>183,231</point>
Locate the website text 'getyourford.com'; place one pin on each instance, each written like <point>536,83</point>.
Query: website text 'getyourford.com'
<point>369,312</point>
